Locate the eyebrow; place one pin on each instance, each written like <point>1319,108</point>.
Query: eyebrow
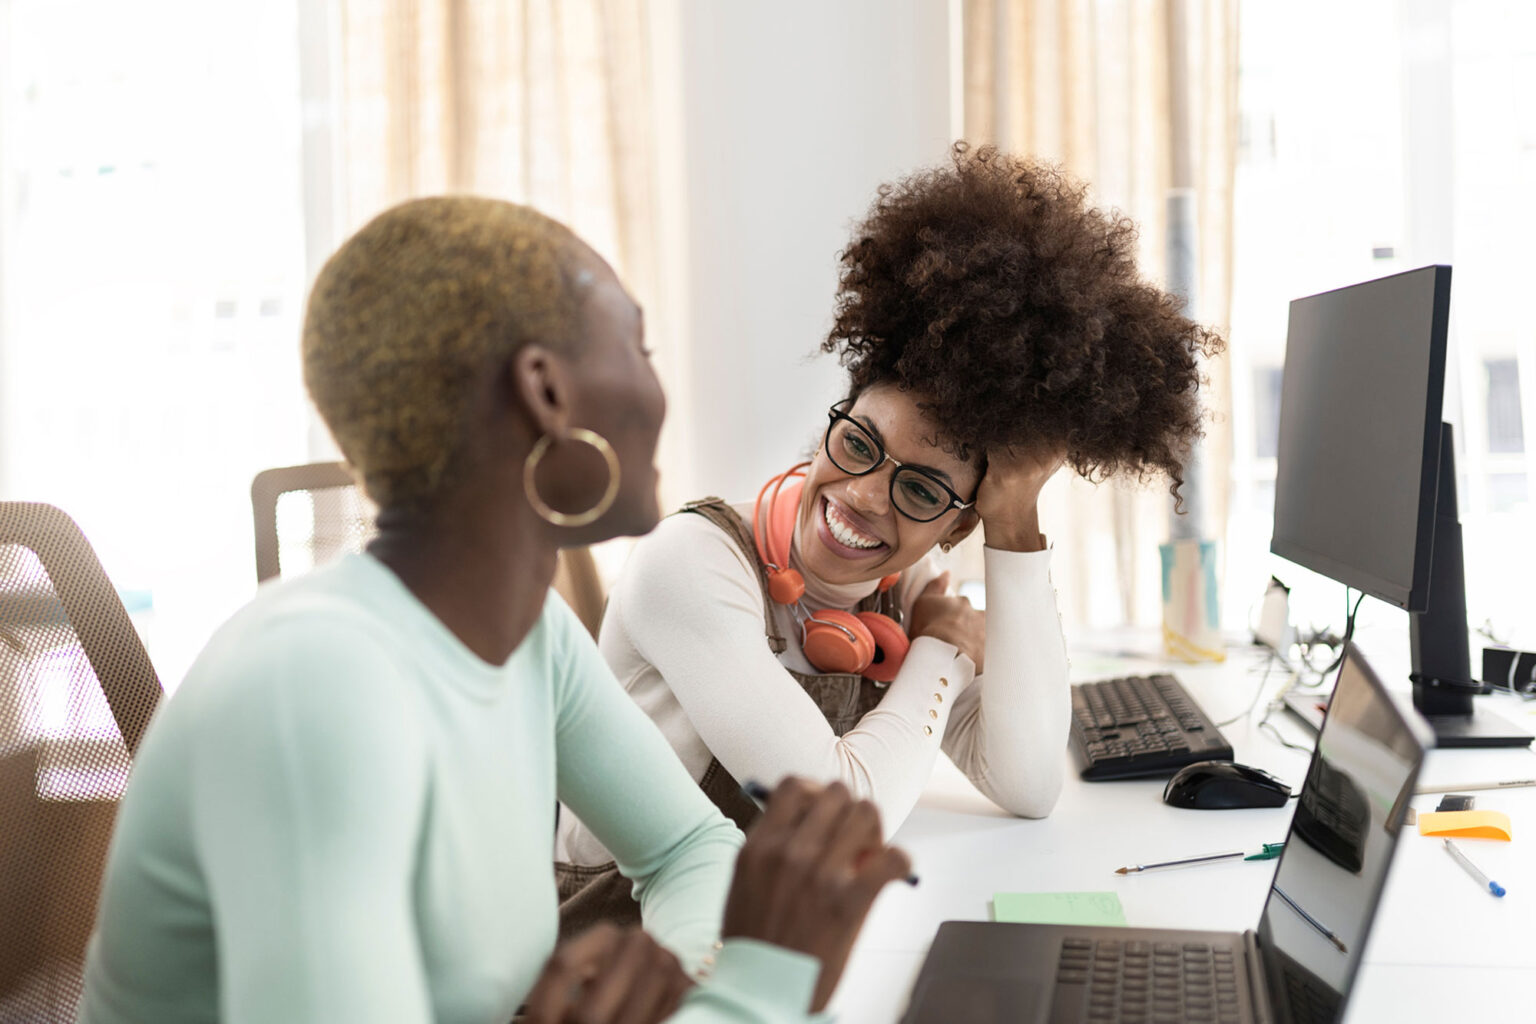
<point>934,471</point>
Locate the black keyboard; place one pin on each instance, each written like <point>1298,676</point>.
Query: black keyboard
<point>1142,725</point>
<point>1177,982</point>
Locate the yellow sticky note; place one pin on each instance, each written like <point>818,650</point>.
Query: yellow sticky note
<point>1471,824</point>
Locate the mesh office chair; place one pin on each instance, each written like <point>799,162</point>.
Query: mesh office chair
<point>76,693</point>
<point>307,515</point>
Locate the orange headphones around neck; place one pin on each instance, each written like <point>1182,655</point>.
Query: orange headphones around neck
<point>868,643</point>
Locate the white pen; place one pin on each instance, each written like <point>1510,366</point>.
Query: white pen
<point>1463,787</point>
<point>1471,869</point>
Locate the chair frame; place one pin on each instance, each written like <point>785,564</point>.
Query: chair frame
<point>270,485</point>
<point>112,645</point>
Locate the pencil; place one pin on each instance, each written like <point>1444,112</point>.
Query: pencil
<point>1269,852</point>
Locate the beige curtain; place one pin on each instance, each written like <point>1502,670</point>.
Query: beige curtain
<point>1137,98</point>
<point>544,102</point>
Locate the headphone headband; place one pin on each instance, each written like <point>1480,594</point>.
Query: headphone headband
<point>762,525</point>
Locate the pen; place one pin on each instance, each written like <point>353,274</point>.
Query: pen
<point>1471,869</point>
<point>759,794</point>
<point>1314,922</point>
<point>1268,851</point>
<point>1508,784</point>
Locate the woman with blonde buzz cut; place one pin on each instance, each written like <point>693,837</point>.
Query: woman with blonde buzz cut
<point>345,812</point>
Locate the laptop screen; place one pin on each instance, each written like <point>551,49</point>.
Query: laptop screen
<point>1345,828</point>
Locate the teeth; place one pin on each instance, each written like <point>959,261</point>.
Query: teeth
<point>845,533</point>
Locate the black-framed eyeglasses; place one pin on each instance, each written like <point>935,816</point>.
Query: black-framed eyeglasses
<point>915,493</point>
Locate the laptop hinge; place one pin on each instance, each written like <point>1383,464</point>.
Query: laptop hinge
<point>1263,1009</point>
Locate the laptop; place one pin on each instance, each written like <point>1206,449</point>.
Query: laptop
<point>1296,967</point>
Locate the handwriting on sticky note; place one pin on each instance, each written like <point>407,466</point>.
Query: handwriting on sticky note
<point>1102,908</point>
<point>1471,824</point>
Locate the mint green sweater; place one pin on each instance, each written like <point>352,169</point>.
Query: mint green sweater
<point>343,815</point>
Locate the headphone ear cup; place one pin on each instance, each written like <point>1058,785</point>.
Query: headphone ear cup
<point>785,585</point>
<point>891,646</point>
<point>836,641</point>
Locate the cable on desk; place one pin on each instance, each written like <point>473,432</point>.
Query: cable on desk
<point>1268,727</point>
<point>1269,663</point>
<point>1321,674</point>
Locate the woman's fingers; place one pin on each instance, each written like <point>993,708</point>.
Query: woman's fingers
<point>937,587</point>
<point>856,840</point>
<point>634,987</point>
<point>885,867</point>
<point>572,965</point>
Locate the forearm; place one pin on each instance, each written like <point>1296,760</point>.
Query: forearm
<point>886,758</point>
<point>619,775</point>
<point>752,983</point>
<point>1010,735</point>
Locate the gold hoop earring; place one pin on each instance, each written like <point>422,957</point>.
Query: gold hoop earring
<point>944,546</point>
<point>571,519</point>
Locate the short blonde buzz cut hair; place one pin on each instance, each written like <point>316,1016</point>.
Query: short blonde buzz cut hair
<point>411,311</point>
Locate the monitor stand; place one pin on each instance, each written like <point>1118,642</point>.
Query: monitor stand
<point>1443,686</point>
<point>1477,728</point>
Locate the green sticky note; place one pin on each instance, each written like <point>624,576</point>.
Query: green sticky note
<point>1058,908</point>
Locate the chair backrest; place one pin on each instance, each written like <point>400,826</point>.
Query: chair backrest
<point>77,691</point>
<point>307,515</point>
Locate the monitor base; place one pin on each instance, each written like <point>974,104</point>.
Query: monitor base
<point>1478,729</point>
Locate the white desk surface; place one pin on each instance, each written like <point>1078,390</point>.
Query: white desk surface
<point>1440,949</point>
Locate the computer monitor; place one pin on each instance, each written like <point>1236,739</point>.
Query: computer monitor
<point>1365,481</point>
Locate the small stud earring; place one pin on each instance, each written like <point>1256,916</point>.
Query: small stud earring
<point>944,546</point>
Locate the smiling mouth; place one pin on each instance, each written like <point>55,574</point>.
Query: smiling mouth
<point>844,532</point>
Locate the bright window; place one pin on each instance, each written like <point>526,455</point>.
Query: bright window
<point>151,283</point>
<point>1378,136</point>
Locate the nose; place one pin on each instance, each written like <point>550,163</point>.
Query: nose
<point>871,493</point>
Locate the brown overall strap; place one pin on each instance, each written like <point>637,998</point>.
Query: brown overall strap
<point>727,518</point>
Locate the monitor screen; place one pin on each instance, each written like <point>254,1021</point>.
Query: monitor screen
<point>1340,846</point>
<point>1359,441</point>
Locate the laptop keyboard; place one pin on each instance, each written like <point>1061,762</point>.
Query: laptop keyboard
<point>1146,982</point>
<point>1141,725</point>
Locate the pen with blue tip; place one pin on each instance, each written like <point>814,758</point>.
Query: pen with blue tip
<point>1477,876</point>
<point>1269,851</point>
<point>759,794</point>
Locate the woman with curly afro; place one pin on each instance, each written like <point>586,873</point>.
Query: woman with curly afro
<point>994,328</point>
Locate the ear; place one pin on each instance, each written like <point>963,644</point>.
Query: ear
<point>965,523</point>
<point>542,382</point>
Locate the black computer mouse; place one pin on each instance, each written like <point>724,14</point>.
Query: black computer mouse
<point>1218,785</point>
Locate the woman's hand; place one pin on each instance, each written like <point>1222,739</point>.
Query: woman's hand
<point>1010,492</point>
<point>805,879</point>
<point>607,975</point>
<point>949,618</point>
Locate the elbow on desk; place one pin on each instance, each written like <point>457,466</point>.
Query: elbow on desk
<point>1036,798</point>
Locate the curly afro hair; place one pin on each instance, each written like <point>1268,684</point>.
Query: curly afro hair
<point>1014,311</point>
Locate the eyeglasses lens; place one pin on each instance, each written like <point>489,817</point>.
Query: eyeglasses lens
<point>854,451</point>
